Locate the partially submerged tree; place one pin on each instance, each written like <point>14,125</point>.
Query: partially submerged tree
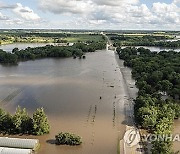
<point>68,139</point>
<point>40,122</point>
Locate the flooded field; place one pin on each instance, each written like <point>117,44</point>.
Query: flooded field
<point>69,90</point>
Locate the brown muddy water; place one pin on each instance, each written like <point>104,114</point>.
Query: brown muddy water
<point>69,90</point>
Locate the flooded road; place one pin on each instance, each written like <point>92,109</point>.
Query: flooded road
<point>70,90</point>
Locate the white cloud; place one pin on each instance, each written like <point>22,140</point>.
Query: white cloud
<point>118,13</point>
<point>25,12</point>
<point>115,14</point>
<point>66,6</point>
<point>3,17</point>
<point>167,13</point>
<point>115,2</point>
<point>176,1</point>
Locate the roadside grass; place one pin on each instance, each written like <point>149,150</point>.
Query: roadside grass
<point>84,38</point>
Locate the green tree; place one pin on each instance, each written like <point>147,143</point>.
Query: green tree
<point>8,126</point>
<point>161,147</point>
<point>15,50</point>
<point>22,122</point>
<point>17,119</point>
<point>164,126</point>
<point>165,85</point>
<point>148,116</point>
<point>2,119</point>
<point>68,139</point>
<point>40,122</point>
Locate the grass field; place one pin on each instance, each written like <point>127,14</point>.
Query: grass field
<point>84,38</point>
<point>71,38</point>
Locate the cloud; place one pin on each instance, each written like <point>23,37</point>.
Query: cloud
<point>19,16</point>
<point>176,1</point>
<point>115,14</point>
<point>3,17</point>
<point>66,6</point>
<point>167,13</point>
<point>6,6</point>
<point>25,12</point>
<point>115,2</point>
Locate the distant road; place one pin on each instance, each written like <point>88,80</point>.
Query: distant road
<point>108,40</point>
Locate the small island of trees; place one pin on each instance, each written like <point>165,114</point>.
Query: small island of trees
<point>68,139</point>
<point>77,49</point>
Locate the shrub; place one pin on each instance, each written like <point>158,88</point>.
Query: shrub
<point>68,139</point>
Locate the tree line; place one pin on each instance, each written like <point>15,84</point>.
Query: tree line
<point>166,44</point>
<point>160,41</point>
<point>77,49</point>
<point>22,123</point>
<point>157,77</point>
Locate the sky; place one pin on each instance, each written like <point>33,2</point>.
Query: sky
<point>91,14</point>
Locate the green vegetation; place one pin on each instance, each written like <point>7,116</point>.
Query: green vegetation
<point>48,37</point>
<point>8,57</point>
<point>157,75</point>
<point>85,38</point>
<point>144,40</point>
<point>40,122</point>
<point>77,49</point>
<point>68,139</point>
<point>21,123</point>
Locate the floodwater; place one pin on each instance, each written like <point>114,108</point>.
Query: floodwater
<point>69,90</point>
<point>10,47</point>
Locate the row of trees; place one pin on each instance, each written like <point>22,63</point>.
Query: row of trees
<point>22,123</point>
<point>159,41</point>
<point>157,75</point>
<point>49,51</point>
<point>34,34</point>
<point>168,44</point>
<point>150,38</point>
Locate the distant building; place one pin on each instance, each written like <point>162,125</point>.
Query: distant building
<point>62,44</point>
<point>71,44</point>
